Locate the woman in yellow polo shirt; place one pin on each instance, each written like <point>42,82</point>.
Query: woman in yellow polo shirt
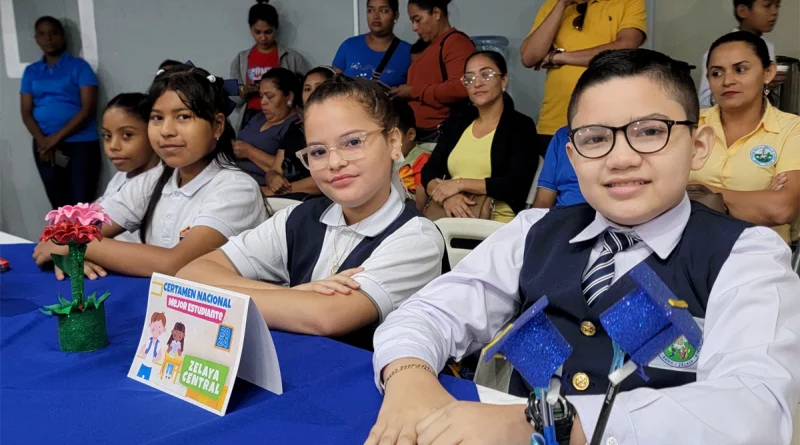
<point>755,162</point>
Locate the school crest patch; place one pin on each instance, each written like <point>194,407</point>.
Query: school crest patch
<point>680,354</point>
<point>764,155</point>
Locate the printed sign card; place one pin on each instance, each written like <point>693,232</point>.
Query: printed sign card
<point>197,339</point>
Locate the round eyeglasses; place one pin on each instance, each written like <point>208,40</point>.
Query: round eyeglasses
<point>350,148</point>
<point>644,136</point>
<point>486,75</point>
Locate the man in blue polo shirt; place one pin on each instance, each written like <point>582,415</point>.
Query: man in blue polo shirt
<point>558,184</point>
<point>58,96</point>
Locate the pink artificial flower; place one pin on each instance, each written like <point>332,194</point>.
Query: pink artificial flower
<point>85,214</point>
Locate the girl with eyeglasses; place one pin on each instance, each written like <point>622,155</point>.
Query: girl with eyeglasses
<point>485,150</point>
<point>350,257</point>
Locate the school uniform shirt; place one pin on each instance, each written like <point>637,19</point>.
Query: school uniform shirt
<point>356,59</point>
<point>603,21</point>
<point>226,199</point>
<point>704,92</point>
<point>56,94</point>
<point>557,173</point>
<point>750,163</point>
<point>115,185</point>
<point>404,262</point>
<point>748,372</point>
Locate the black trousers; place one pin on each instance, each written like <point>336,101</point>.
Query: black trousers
<point>77,181</point>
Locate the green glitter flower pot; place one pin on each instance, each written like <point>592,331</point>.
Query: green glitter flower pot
<point>83,331</point>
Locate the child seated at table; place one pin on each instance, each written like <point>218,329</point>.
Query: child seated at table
<point>350,257</point>
<point>194,203</point>
<point>633,142</point>
<point>127,145</point>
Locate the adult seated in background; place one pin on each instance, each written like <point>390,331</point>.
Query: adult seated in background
<point>415,156</point>
<point>566,34</point>
<point>58,97</point>
<point>262,137</point>
<point>755,163</point>
<point>289,178</point>
<point>250,64</point>
<point>362,55</point>
<point>434,79</point>
<point>484,150</point>
<point>558,184</point>
<point>756,16</point>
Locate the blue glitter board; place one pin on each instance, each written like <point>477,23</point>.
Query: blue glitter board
<point>533,345</point>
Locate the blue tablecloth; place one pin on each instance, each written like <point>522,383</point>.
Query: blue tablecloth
<point>47,396</point>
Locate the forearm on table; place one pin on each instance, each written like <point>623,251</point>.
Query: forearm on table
<point>310,313</point>
<point>141,260</point>
<point>208,270</point>
<point>536,46</point>
<point>627,39</point>
<point>414,369</point>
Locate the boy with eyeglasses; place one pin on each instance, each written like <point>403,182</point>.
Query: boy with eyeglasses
<point>566,34</point>
<point>633,142</point>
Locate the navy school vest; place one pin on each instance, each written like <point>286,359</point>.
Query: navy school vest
<point>304,236</point>
<point>553,267</point>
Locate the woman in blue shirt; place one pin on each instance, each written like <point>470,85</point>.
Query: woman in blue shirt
<point>58,96</point>
<point>361,56</point>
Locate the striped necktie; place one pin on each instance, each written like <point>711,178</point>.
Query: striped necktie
<point>597,278</point>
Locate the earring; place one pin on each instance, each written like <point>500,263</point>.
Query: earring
<point>289,103</point>
<point>766,90</point>
<point>504,89</point>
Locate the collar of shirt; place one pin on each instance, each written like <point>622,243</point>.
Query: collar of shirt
<point>64,58</point>
<point>373,224</point>
<point>769,121</point>
<point>195,184</point>
<point>661,234</point>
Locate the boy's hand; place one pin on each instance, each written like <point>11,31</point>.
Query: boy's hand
<point>475,423</point>
<point>342,282</point>
<point>411,395</point>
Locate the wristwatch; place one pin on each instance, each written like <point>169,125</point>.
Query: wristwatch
<point>553,54</point>
<point>563,413</point>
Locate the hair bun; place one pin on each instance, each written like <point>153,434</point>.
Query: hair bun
<point>262,2</point>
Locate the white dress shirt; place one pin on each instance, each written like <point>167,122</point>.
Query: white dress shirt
<point>114,185</point>
<point>704,93</point>
<point>225,199</point>
<point>402,264</point>
<point>748,373</point>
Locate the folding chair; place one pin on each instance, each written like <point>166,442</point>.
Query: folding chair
<point>280,203</point>
<point>464,228</point>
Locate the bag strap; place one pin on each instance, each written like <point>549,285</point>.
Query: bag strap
<point>442,66</point>
<point>376,75</point>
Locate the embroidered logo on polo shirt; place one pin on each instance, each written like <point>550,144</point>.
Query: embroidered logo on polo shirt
<point>183,232</point>
<point>680,354</point>
<point>764,155</point>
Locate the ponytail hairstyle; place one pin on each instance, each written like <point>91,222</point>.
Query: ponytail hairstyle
<point>135,104</point>
<point>263,11</point>
<point>372,98</point>
<point>203,94</point>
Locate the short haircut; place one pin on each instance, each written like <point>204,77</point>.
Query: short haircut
<point>405,115</point>
<point>51,20</point>
<point>394,5</point>
<point>429,5</point>
<point>159,316</point>
<point>673,76</point>
<point>737,3</point>
<point>419,46</point>
<point>263,11</point>
<point>755,43</point>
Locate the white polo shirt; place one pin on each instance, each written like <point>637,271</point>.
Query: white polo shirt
<point>114,185</point>
<point>225,199</point>
<point>401,265</point>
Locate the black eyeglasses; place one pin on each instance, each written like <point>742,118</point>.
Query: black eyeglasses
<point>644,136</point>
<point>577,23</point>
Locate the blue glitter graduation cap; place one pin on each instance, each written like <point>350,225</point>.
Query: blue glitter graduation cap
<point>649,319</point>
<point>533,345</point>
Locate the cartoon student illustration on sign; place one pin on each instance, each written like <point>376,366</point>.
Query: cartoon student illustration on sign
<point>175,345</point>
<point>150,349</point>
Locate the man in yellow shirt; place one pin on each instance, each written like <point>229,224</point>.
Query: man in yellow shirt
<point>566,34</point>
<point>759,161</point>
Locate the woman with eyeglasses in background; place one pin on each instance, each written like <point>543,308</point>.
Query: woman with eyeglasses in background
<point>485,150</point>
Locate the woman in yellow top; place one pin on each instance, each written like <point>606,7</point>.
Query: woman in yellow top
<point>755,162</point>
<point>485,149</point>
